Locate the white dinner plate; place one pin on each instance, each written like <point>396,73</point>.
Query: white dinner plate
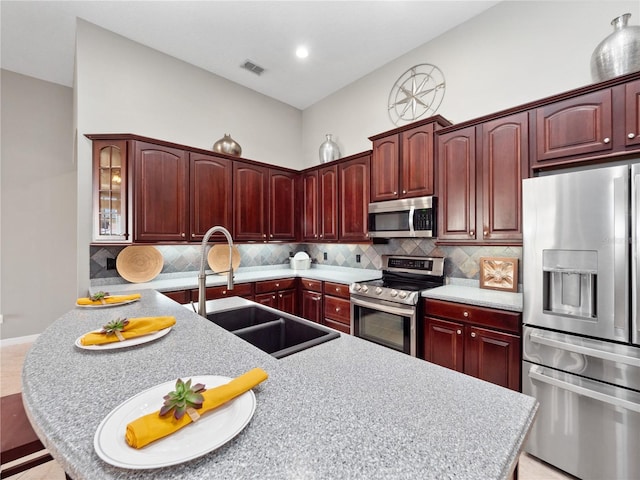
<point>212,430</point>
<point>109,304</point>
<point>129,342</point>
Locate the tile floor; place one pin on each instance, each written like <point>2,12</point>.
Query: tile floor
<point>12,356</point>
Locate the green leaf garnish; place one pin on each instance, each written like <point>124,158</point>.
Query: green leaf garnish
<point>183,397</point>
<point>115,326</point>
<point>99,296</point>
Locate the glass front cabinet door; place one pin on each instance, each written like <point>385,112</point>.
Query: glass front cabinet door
<point>110,190</point>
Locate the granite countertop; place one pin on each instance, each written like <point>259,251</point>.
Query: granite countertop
<point>471,294</point>
<point>183,281</point>
<point>345,409</point>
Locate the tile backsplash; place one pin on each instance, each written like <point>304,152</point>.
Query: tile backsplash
<point>462,261</point>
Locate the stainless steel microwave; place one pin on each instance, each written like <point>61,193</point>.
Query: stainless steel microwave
<point>409,217</point>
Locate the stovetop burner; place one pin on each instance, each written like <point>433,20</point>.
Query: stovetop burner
<point>403,278</point>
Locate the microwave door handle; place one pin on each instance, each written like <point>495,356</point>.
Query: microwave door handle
<point>584,350</point>
<point>412,231</point>
<point>537,373</point>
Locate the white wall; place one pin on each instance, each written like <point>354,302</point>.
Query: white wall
<point>125,87</point>
<point>38,201</point>
<point>513,53</point>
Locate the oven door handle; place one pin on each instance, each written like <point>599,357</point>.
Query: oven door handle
<point>592,352</point>
<point>536,372</point>
<point>402,311</point>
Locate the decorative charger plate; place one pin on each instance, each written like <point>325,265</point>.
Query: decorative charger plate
<point>139,263</point>
<point>218,258</point>
<point>214,429</point>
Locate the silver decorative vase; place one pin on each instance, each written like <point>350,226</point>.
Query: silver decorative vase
<point>227,145</point>
<point>329,150</point>
<point>618,53</point>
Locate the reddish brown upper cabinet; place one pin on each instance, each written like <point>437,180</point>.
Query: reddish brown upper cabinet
<point>250,201</point>
<point>402,163</point>
<point>210,194</point>
<point>632,114</point>
<point>354,192</point>
<point>577,126</point>
<point>505,155</point>
<point>480,176</point>
<point>264,203</point>
<point>282,200</point>
<point>457,185</point>
<point>320,204</point>
<point>110,186</point>
<point>161,200</point>
<point>482,342</point>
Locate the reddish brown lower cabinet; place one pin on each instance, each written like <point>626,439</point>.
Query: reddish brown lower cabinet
<point>481,342</point>
<point>180,296</point>
<point>337,307</point>
<point>311,299</point>
<point>244,290</point>
<point>280,294</point>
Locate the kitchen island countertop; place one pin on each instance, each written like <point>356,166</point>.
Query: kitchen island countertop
<point>345,409</point>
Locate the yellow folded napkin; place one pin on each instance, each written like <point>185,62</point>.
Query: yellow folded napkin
<point>108,299</point>
<point>149,428</point>
<point>136,328</point>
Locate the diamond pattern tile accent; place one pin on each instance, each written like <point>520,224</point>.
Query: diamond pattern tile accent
<point>461,261</point>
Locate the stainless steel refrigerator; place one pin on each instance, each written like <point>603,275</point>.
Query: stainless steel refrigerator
<point>581,347</point>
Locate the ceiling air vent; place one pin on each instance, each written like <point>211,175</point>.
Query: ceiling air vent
<point>252,67</point>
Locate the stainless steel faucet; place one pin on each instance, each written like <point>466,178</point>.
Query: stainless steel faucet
<point>202,276</point>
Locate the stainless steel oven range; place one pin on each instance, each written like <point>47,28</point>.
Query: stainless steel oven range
<point>386,311</point>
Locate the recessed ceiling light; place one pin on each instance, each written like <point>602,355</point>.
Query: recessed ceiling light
<point>302,52</point>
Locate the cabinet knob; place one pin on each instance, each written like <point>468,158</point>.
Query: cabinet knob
<point>315,236</point>
<point>337,309</point>
<point>224,292</point>
<point>473,334</point>
<point>395,193</point>
<point>264,235</point>
<point>277,284</point>
<point>274,297</point>
<point>280,295</point>
<point>404,191</point>
<point>320,235</point>
<point>193,235</point>
<point>465,314</point>
<point>182,235</point>
<point>631,135</point>
<point>472,233</point>
<point>486,233</point>
<point>271,236</point>
<point>606,140</point>
<point>459,332</point>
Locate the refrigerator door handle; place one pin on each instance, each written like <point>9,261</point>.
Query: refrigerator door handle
<point>620,253</point>
<point>635,254</point>
<point>536,372</point>
<point>581,349</point>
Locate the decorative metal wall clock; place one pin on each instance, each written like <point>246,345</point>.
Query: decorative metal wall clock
<point>417,93</point>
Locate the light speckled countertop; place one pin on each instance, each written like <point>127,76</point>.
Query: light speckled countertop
<point>468,292</point>
<point>183,281</point>
<point>345,409</point>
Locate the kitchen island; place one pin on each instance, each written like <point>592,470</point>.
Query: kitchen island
<point>345,409</point>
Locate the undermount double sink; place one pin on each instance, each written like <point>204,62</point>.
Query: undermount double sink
<point>274,332</point>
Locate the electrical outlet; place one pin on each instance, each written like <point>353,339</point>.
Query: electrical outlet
<point>325,255</point>
<point>358,258</point>
<point>111,263</point>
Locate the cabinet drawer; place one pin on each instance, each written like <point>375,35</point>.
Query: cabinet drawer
<point>489,317</point>
<point>313,285</point>
<point>336,289</point>
<point>341,327</point>
<point>337,309</point>
<point>275,285</point>
<point>239,290</point>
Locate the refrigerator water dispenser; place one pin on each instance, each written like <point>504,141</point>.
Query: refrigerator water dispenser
<point>570,279</point>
